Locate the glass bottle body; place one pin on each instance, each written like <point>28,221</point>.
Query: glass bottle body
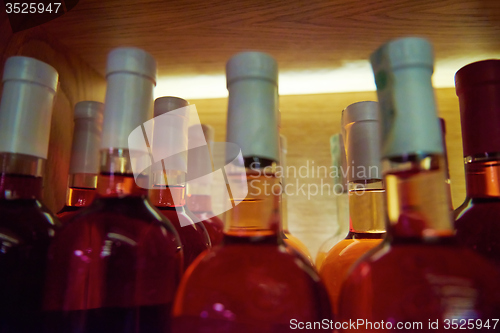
<point>116,266</point>
<point>419,274</point>
<point>477,219</point>
<point>367,229</point>
<point>201,206</point>
<point>26,229</point>
<point>193,236</point>
<point>250,282</point>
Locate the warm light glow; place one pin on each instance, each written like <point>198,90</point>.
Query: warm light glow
<point>351,77</point>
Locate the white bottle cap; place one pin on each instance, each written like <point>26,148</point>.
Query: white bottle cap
<point>360,125</point>
<point>29,87</point>
<point>170,134</point>
<point>252,124</point>
<point>403,70</point>
<point>131,75</point>
<point>86,137</point>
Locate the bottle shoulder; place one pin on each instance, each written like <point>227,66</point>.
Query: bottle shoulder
<point>29,217</point>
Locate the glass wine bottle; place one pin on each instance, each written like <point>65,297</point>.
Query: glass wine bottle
<point>340,187</point>
<point>418,275</point>
<point>292,242</point>
<point>199,190</point>
<point>117,265</point>
<point>360,123</point>
<point>26,226</point>
<point>250,283</point>
<point>84,163</point>
<point>169,181</point>
<point>478,218</point>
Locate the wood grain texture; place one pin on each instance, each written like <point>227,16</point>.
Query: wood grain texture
<point>77,82</point>
<point>308,121</point>
<point>197,37</point>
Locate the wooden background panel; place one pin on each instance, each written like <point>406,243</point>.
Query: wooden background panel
<point>308,121</point>
<point>197,37</point>
<point>77,82</point>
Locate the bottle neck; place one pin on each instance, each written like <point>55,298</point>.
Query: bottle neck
<point>116,178</point>
<point>21,176</point>
<point>256,214</point>
<point>81,189</point>
<point>482,176</point>
<point>366,206</point>
<point>167,196</point>
<point>417,199</point>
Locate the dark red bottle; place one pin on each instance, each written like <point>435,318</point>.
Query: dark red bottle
<point>26,226</point>
<point>478,218</point>
<point>116,266</point>
<point>84,162</point>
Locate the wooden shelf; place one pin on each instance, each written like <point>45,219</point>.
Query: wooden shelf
<point>197,37</point>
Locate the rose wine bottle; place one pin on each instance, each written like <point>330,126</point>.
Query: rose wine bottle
<point>292,242</point>
<point>418,274</point>
<point>360,124</point>
<point>116,266</point>
<point>341,198</point>
<point>84,163</point>
<point>26,226</point>
<point>250,283</point>
<point>169,182</point>
<point>478,218</point>
<point>199,190</point>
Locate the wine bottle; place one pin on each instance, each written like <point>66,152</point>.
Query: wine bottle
<point>292,242</point>
<point>418,276</point>
<point>117,265</point>
<point>84,163</point>
<point>26,226</point>
<point>199,190</point>
<point>340,187</point>
<point>169,181</point>
<point>250,283</point>
<point>478,218</point>
<point>360,124</point>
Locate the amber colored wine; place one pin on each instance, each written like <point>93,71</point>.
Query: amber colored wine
<point>477,220</point>
<point>360,123</point>
<point>201,206</point>
<point>193,236</point>
<point>366,232</point>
